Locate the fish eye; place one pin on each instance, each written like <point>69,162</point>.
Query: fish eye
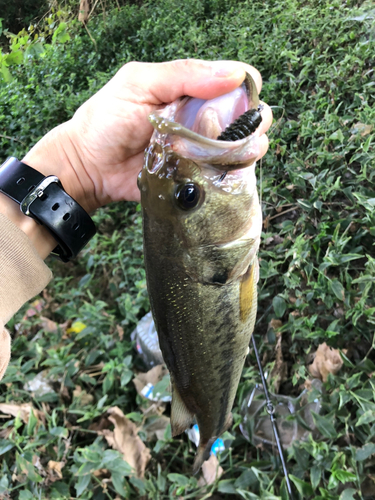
<point>188,196</point>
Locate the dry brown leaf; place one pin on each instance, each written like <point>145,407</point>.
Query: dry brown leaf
<point>327,360</point>
<point>120,332</point>
<point>102,473</point>
<point>83,397</point>
<point>154,409</point>
<point>211,471</point>
<point>38,465</point>
<point>5,433</point>
<point>279,371</point>
<point>362,128</point>
<point>23,410</point>
<point>266,222</point>
<point>125,439</point>
<point>275,324</point>
<point>54,468</point>
<point>48,325</point>
<point>84,9</point>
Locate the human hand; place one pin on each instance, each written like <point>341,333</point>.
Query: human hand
<point>99,152</point>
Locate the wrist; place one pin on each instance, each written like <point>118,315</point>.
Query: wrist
<point>56,154</point>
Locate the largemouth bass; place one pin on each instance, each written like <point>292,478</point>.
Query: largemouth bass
<point>201,226</point>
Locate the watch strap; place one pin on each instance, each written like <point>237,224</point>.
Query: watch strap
<point>44,199</point>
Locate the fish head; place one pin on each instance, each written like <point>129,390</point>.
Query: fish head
<point>200,189</point>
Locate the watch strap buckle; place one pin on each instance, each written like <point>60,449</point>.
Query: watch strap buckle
<point>37,192</point>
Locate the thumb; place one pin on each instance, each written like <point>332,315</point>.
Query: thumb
<point>157,83</point>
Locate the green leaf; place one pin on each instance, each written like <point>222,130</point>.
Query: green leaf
<point>118,483</point>
<point>344,476</point>
<point>139,484</point>
<point>303,488</point>
<point>108,382</point>
<point>246,479</point>
<point>59,432</point>
<point>126,377</point>
<point>226,486</point>
<point>102,401</point>
<point>5,446</point>
<point>14,58</point>
<point>7,76</point>
<point>247,495</point>
<point>82,484</point>
<point>325,425</point>
<point>26,495</point>
<point>315,475</point>
<point>179,479</point>
<point>366,418</point>
<point>365,452</point>
<point>27,468</point>
<point>305,204</point>
<point>337,136</point>
<point>4,484</point>
<point>348,494</point>
<point>337,289</point>
<point>279,306</point>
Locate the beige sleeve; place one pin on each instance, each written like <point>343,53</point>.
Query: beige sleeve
<point>23,274</point>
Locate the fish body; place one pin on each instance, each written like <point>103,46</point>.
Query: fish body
<point>201,226</point>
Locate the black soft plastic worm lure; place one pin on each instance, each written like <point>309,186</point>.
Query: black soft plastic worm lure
<point>244,126</point>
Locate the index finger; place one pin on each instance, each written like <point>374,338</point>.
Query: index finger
<point>158,83</point>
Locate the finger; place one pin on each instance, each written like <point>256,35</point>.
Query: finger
<point>267,118</point>
<point>165,82</point>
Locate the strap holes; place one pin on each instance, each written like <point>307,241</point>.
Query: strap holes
<point>83,235</point>
<point>75,227</point>
<point>20,180</point>
<point>55,207</point>
<point>30,189</point>
<point>66,216</point>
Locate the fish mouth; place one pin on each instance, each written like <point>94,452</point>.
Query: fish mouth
<point>190,127</point>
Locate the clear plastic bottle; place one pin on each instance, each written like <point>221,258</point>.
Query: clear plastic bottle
<point>290,413</point>
<point>147,342</point>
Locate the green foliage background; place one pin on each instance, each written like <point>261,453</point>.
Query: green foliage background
<point>317,254</point>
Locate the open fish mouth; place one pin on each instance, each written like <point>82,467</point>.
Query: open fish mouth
<point>193,127</point>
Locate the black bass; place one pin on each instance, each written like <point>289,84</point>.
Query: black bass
<point>201,226</point>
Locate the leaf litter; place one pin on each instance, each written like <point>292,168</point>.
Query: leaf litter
<point>327,360</point>
<point>124,438</point>
<point>23,410</point>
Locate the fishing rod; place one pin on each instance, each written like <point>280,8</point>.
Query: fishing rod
<point>271,412</point>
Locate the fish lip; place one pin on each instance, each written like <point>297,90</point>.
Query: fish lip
<point>165,126</point>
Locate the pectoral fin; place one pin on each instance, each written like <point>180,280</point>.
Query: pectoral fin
<point>181,417</point>
<point>248,292</point>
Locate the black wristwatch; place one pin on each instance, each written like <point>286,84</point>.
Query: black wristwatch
<point>44,199</point>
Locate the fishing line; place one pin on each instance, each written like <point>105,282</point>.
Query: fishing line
<point>271,412</point>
